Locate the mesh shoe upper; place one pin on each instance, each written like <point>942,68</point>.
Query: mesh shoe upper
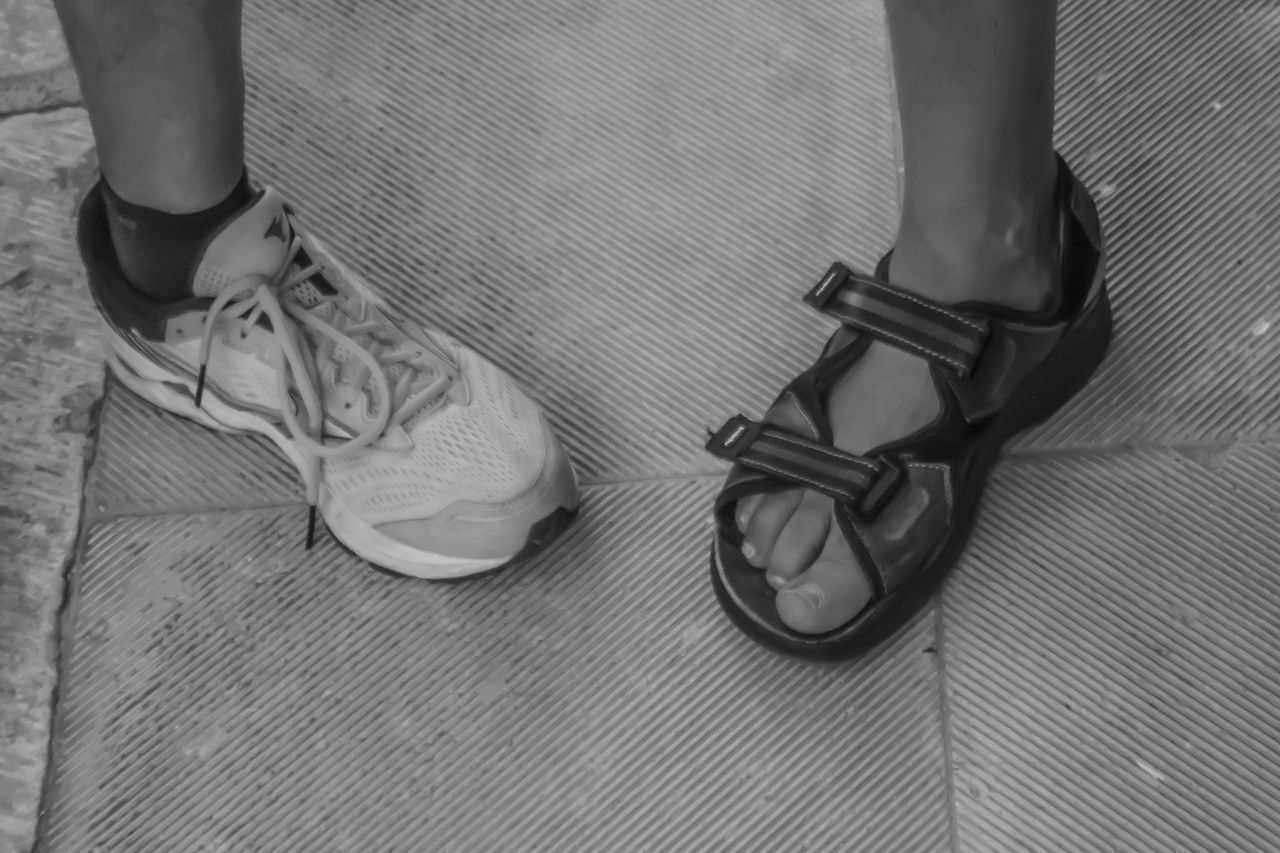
<point>400,421</point>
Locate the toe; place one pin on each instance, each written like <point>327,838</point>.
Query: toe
<point>829,593</point>
<point>744,510</point>
<point>767,521</point>
<point>801,540</point>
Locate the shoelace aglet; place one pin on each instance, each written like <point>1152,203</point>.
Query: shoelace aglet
<point>311,526</point>
<point>312,479</point>
<point>200,385</point>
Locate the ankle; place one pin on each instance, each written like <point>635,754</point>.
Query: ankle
<point>1005,254</point>
<point>199,189</point>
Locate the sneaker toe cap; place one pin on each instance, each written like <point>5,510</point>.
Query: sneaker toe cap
<point>486,529</point>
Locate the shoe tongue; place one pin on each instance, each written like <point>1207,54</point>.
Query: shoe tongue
<point>255,242</point>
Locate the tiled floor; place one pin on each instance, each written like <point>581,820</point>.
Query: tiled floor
<point>622,203</point>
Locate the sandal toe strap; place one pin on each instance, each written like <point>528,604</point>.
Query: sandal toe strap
<point>867,484</point>
<point>906,320</point>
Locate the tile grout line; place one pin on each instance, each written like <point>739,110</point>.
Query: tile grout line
<point>1118,448</point>
<point>944,714</point>
<point>60,85</point>
<point>60,639</point>
<point>93,517</point>
<point>40,109</point>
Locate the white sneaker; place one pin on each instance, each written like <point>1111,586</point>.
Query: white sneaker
<point>422,456</point>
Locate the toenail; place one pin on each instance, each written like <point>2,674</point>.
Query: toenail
<point>748,551</point>
<point>810,595</point>
<point>775,581</point>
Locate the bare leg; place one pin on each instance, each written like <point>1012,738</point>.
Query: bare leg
<point>975,91</point>
<point>164,87</point>
<point>975,95</point>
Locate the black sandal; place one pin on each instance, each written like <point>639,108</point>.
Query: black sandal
<point>908,507</point>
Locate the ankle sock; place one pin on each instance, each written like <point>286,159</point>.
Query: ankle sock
<point>159,252</point>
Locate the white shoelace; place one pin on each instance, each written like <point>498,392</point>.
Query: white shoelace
<point>295,362</point>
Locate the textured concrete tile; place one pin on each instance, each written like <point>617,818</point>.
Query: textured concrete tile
<point>35,72</point>
<point>1111,656</point>
<point>143,464</point>
<point>1169,109</point>
<point>229,691</point>
<point>50,378</point>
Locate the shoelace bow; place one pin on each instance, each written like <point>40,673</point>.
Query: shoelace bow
<point>295,362</point>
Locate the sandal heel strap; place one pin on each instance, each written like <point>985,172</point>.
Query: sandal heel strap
<point>906,320</point>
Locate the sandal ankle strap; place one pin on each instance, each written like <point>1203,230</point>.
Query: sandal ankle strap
<point>905,320</point>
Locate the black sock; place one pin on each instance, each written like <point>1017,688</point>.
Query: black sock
<point>159,252</point>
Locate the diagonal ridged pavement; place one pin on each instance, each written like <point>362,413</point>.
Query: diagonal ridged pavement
<point>622,203</point>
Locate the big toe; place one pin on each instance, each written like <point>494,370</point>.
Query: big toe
<point>829,593</point>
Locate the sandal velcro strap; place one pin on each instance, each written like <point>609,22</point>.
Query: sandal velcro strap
<point>904,319</point>
<point>868,484</point>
